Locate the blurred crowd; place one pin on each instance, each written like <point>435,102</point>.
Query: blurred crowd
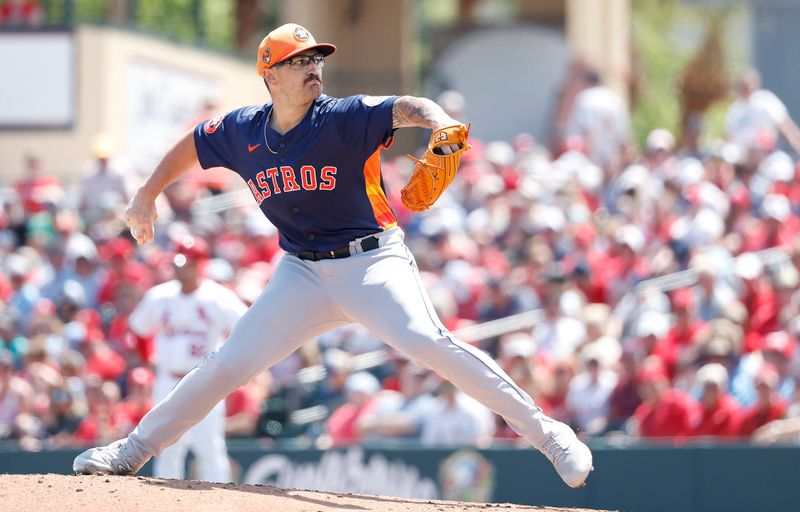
<point>21,13</point>
<point>666,279</point>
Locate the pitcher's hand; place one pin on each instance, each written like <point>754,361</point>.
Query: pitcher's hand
<point>140,216</point>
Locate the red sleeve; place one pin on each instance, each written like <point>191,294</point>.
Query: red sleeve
<point>765,317</point>
<point>86,432</point>
<point>666,350</point>
<point>234,403</point>
<point>336,423</point>
<point>146,348</point>
<point>116,365</point>
<point>5,289</point>
<point>391,383</point>
<point>734,420</point>
<point>689,413</point>
<point>106,294</point>
<point>640,415</point>
<point>778,410</point>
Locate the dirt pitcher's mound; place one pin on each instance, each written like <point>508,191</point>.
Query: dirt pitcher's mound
<point>25,493</point>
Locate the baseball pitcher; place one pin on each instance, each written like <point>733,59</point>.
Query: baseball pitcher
<point>312,163</point>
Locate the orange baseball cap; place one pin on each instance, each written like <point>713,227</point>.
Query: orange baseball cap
<point>284,43</point>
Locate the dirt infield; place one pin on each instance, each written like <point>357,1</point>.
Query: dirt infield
<point>25,493</point>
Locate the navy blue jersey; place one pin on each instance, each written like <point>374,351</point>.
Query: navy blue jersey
<point>322,186</point>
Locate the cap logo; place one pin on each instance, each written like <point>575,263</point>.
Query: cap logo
<point>301,34</point>
<point>441,136</point>
<point>266,56</point>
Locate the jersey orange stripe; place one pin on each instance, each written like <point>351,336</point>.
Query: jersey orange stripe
<point>384,215</point>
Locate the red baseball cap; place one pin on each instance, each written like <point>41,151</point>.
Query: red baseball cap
<point>780,342</point>
<point>683,298</point>
<point>652,374</point>
<point>140,376</point>
<point>192,249</point>
<point>284,43</point>
<point>117,248</point>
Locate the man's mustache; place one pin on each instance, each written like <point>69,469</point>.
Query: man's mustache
<point>311,77</point>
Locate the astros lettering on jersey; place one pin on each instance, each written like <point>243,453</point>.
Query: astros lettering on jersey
<point>331,158</point>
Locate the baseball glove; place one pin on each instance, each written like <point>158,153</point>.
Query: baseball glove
<point>435,171</point>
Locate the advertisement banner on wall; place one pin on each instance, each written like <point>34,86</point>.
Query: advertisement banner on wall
<point>464,475</point>
<point>162,102</point>
<point>38,86</point>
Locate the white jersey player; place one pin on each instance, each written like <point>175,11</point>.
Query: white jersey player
<point>189,318</point>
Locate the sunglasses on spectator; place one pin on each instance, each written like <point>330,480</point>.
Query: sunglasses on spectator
<point>303,60</point>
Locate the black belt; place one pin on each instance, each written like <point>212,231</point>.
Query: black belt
<point>367,244</point>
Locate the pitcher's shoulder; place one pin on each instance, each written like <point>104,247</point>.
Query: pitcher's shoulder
<point>249,113</point>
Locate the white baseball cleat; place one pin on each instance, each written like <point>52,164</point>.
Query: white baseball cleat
<point>114,459</point>
<point>571,458</point>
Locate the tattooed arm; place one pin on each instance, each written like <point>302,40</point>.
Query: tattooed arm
<point>411,111</point>
<point>422,112</point>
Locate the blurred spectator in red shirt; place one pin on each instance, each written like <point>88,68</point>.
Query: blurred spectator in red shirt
<point>648,328</point>
<point>102,361</point>
<point>593,288</point>
<point>16,400</point>
<point>135,349</point>
<point>625,398</point>
<point>740,214</point>
<point>768,407</point>
<point>21,12</point>
<point>786,282</point>
<point>777,351</point>
<point>35,189</point>
<point>342,425</point>
<point>116,254</point>
<point>664,412</point>
<point>41,371</point>
<point>553,400</point>
<point>260,240</point>
<point>243,406</point>
<point>624,265</point>
<point>398,415</point>
<point>719,412</point>
<point>139,400</point>
<point>778,227</point>
<point>682,334</point>
<point>759,298</point>
<point>103,424</point>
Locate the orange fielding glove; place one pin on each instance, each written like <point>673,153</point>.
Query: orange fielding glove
<point>435,171</point>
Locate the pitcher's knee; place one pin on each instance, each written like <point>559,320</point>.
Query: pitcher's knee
<point>424,350</point>
<point>225,370</point>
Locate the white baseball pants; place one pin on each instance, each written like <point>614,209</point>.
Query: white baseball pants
<point>380,289</point>
<point>206,440</point>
